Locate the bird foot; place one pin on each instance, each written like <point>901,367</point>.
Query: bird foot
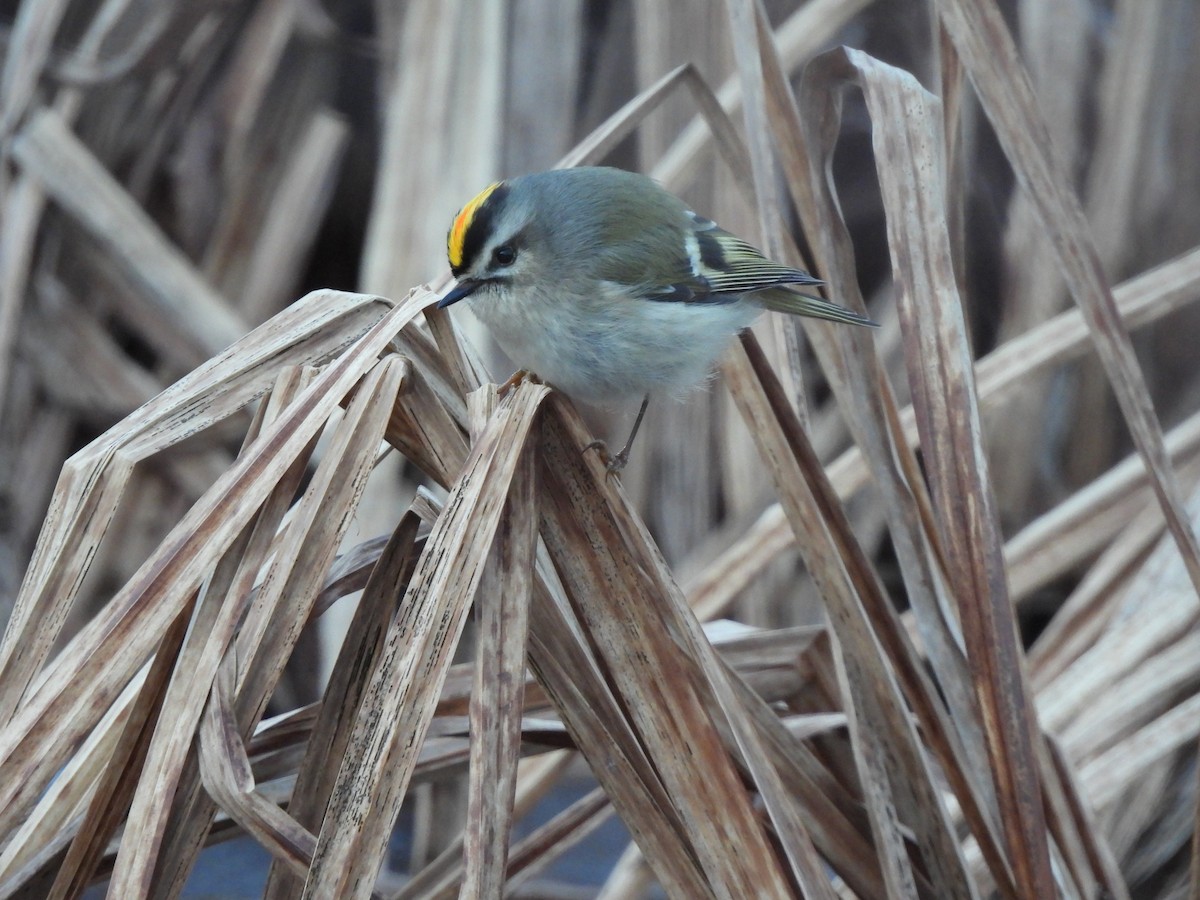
<point>516,378</point>
<point>616,463</point>
<point>613,464</point>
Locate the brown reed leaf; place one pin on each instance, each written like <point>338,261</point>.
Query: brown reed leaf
<point>1003,86</point>
<point>414,658</point>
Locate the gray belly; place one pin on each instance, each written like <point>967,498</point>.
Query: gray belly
<point>611,352</point>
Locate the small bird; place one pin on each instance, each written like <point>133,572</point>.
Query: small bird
<point>607,286</point>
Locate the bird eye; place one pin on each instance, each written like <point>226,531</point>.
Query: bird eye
<point>504,255</point>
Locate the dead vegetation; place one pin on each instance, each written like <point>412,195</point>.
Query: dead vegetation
<point>198,470</point>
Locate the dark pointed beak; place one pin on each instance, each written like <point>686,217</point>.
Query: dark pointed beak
<point>465,288</point>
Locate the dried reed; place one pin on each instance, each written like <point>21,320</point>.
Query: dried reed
<point>970,659</point>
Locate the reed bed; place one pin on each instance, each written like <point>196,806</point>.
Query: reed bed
<point>897,613</point>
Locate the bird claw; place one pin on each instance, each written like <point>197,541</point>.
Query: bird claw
<point>616,463</point>
<point>613,464</point>
<point>515,379</point>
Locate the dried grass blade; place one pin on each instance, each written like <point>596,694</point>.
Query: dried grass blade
<point>22,198</point>
<point>787,816</point>
<point>254,64</point>
<point>622,123</point>
<point>349,573</point>
<point>89,488</point>
<point>799,37</point>
<point>873,705</point>
<point>871,410</point>
<point>426,432</point>
<point>1095,845</point>
<point>102,658</point>
<point>1145,640</point>
<point>38,847</point>
<point>229,780</point>
<point>33,880</point>
<point>1108,775</point>
<point>1141,300</point>
<point>834,817</point>
<point>743,15</point>
<point>546,843</point>
<point>29,45</point>
<point>502,611</point>
<point>24,204</point>
<point>294,215</point>
<point>629,879</point>
<point>319,327</point>
<point>1163,672</point>
<point>396,712</point>
<point>1003,86</point>
<point>862,387</point>
<point>731,696</point>
<point>462,371</point>
<point>364,639</point>
<point>441,362</point>
<point>615,602</point>
<point>441,879</point>
<point>149,819</point>
<point>283,602</point>
<point>425,89</point>
<point>224,596</point>
<point>1100,595</point>
<point>1088,520</point>
<point>711,590</point>
<point>939,363</point>
<point>754,107</point>
<point>115,787</point>
<point>1072,872</point>
<point>601,730</point>
<point>69,173</point>
<point>85,498</point>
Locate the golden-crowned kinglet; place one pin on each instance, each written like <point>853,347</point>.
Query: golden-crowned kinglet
<point>608,287</point>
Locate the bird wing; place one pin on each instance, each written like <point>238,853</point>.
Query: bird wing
<point>798,304</point>
<point>720,267</point>
<point>731,266</point>
<point>714,266</point>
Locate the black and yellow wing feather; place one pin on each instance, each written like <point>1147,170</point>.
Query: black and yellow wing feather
<point>720,267</point>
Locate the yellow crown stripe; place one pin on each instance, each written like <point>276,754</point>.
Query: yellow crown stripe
<point>458,232</point>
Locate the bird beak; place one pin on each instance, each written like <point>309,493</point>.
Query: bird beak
<point>465,288</point>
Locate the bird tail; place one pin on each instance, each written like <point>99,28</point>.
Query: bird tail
<point>798,304</point>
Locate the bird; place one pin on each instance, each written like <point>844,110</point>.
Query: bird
<point>609,287</point>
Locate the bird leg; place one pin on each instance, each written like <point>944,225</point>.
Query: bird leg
<point>618,462</point>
